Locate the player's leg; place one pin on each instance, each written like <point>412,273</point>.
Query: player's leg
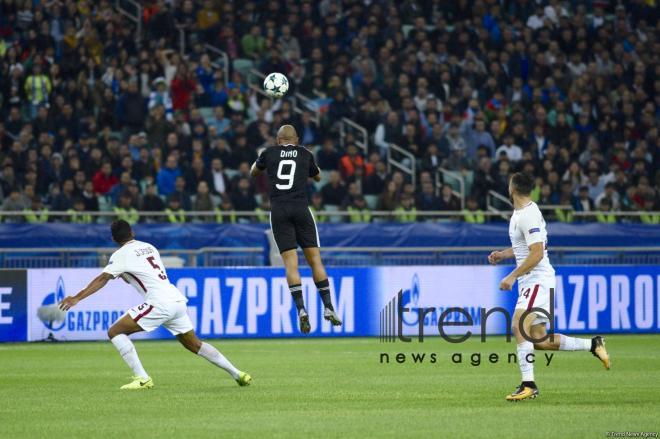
<point>290,258</point>
<point>118,334</point>
<point>307,236</point>
<point>313,256</point>
<point>521,328</point>
<point>190,341</point>
<point>561,342</point>
<point>285,237</point>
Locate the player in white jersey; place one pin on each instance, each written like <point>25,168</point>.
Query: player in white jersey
<point>139,264</point>
<point>536,284</point>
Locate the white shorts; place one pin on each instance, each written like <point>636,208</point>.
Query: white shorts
<point>173,316</point>
<point>535,294</point>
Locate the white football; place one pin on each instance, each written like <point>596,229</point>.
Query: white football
<point>276,85</point>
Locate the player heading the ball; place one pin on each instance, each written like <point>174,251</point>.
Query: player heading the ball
<point>289,166</point>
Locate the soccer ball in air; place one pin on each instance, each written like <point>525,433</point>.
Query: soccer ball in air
<point>276,85</point>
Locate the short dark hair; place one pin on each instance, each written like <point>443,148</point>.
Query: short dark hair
<point>121,231</point>
<point>522,183</point>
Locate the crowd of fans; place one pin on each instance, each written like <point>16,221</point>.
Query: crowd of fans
<point>95,117</point>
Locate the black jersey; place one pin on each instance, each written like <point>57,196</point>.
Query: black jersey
<point>288,168</point>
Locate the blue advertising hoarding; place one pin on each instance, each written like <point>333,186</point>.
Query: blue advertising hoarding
<point>13,305</point>
<point>255,302</point>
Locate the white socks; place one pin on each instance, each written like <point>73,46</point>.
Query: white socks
<point>526,368</point>
<point>574,344</point>
<point>214,356</point>
<point>127,351</point>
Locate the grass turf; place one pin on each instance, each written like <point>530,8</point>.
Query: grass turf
<point>325,387</point>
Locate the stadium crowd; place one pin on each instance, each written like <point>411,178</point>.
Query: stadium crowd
<point>564,90</point>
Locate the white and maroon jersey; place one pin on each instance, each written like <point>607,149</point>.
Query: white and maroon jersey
<point>139,264</point>
<point>527,227</point>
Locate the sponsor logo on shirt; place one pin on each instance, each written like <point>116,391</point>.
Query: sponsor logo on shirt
<point>534,230</point>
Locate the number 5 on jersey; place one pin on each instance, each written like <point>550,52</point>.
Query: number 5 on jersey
<point>156,267</point>
<point>286,171</point>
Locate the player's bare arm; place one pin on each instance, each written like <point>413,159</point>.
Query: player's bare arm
<point>254,171</point>
<point>500,255</point>
<point>531,261</point>
<point>96,284</point>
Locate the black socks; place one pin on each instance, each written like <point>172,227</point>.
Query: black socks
<point>296,292</point>
<point>324,291</point>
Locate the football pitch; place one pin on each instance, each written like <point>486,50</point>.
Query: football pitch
<point>326,388</point>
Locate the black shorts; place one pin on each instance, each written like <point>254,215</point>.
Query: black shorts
<point>293,225</point>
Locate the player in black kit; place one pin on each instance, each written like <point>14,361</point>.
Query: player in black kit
<point>288,166</point>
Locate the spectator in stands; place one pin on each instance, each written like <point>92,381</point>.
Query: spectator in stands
<point>121,187</point>
<point>650,205</point>
<point>174,210</point>
<point>374,182</point>
<point>595,185</point>
<point>64,201</point>
<point>8,182</point>
<point>78,214</point>
<point>427,200</point>
<point>349,162</point>
<point>220,182</point>
<point>433,158</point>
<point>351,194</point>
<point>203,200</point>
<point>358,210</point>
<point>605,215</point>
<point>253,44</point>
<point>583,203</point>
<point>328,158</point>
<point>132,109</point>
<point>406,212</point>
<point>125,211</point>
<point>242,198</point>
<point>389,198</point>
<point>14,203</point>
<point>182,193</point>
<point>225,212</point>
<point>574,108</point>
<point>476,136</point>
<point>317,206</point>
<point>389,131</point>
<point>197,173</point>
<point>151,202</point>
<point>308,129</point>
<point>37,213</point>
<point>157,125</point>
<point>167,176</point>
<point>449,201</point>
<point>512,152</point>
<point>334,190</point>
<point>611,194</point>
<point>221,123</point>
<point>472,214</point>
<point>104,179</point>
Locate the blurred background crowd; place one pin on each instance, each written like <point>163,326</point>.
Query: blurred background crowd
<point>96,116</point>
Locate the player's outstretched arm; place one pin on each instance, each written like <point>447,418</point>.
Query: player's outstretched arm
<point>533,258</point>
<point>500,255</point>
<point>95,285</point>
<point>254,170</point>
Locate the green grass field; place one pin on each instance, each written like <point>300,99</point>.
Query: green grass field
<point>324,388</point>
